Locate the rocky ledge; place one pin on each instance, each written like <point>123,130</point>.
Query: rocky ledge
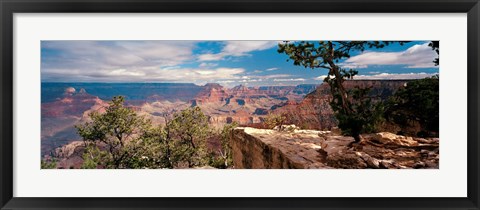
<point>289,147</point>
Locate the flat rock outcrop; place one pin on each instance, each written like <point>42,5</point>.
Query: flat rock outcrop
<point>289,147</point>
<point>263,148</point>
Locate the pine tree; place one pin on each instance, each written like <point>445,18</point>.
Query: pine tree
<point>354,109</point>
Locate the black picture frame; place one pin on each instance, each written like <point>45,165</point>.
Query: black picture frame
<point>10,7</point>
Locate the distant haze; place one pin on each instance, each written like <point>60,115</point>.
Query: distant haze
<point>53,91</point>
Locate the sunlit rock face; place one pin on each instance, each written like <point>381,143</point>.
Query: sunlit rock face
<point>69,91</point>
<point>263,148</point>
<point>301,149</point>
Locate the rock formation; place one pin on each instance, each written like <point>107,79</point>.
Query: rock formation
<point>65,105</point>
<point>59,117</point>
<point>292,148</point>
<point>69,91</point>
<point>212,93</point>
<point>69,156</point>
<point>264,149</point>
<point>242,104</point>
<point>315,112</point>
<point>73,103</point>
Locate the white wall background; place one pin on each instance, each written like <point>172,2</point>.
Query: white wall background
<point>448,181</point>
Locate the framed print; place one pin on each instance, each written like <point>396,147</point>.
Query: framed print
<point>239,105</point>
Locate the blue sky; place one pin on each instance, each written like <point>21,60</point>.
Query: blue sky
<point>229,63</point>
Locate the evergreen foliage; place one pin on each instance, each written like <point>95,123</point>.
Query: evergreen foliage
<point>417,102</point>
<point>354,109</point>
<point>274,120</point>
<point>119,138</point>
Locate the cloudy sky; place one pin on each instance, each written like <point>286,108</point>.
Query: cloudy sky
<point>253,63</point>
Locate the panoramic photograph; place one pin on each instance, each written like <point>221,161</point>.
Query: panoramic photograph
<point>267,104</point>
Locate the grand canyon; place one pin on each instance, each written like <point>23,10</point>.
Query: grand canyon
<point>65,105</point>
<point>239,104</point>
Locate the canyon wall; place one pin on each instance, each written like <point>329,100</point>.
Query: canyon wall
<point>315,112</point>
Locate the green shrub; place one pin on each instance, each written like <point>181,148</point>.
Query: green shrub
<point>274,120</point>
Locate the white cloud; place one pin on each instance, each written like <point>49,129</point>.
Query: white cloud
<point>386,76</point>
<point>203,65</point>
<point>271,76</point>
<point>237,48</point>
<point>225,81</point>
<point>211,57</point>
<point>124,72</point>
<point>111,60</point>
<point>353,66</point>
<point>116,54</point>
<point>417,56</point>
<point>321,77</point>
<point>184,75</point>
<point>271,69</point>
<point>289,80</point>
<point>188,75</point>
<point>128,61</point>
